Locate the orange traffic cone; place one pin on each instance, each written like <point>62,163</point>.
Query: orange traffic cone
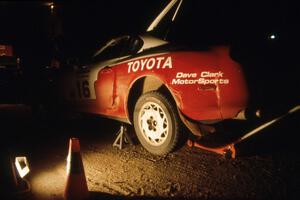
<point>76,186</point>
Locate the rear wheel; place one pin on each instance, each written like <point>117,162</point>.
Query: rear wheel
<point>156,123</point>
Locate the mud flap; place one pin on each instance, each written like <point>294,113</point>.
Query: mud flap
<point>192,126</point>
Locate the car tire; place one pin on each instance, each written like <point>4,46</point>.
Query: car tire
<point>157,123</point>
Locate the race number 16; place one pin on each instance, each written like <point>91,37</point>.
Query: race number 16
<point>83,89</point>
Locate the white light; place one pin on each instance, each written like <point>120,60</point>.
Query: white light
<point>52,7</point>
<point>22,166</point>
<point>272,36</point>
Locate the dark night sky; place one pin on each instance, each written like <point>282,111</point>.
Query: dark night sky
<point>86,24</point>
<point>28,25</point>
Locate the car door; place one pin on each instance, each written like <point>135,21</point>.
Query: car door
<point>80,87</point>
<point>108,97</point>
<point>105,85</point>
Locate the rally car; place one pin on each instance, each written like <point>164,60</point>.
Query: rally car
<point>148,82</point>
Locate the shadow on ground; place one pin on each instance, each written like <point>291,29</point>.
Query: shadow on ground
<point>279,138</point>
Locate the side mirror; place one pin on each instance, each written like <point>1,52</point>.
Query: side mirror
<point>135,44</point>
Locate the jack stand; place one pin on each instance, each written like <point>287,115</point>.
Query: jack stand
<point>122,138</point>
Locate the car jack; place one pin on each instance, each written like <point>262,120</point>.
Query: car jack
<point>228,150</point>
<point>122,137</point>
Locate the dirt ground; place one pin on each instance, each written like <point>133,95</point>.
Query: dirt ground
<point>267,167</point>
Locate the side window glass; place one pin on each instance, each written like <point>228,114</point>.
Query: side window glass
<point>119,47</point>
<point>113,49</point>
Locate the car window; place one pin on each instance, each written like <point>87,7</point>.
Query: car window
<point>119,47</point>
<point>112,49</point>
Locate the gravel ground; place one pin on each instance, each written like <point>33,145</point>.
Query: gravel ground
<point>267,167</point>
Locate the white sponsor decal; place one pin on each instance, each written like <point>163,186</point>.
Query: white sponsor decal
<point>206,77</point>
<point>149,64</point>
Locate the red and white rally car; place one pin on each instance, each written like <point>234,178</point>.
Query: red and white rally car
<point>146,81</point>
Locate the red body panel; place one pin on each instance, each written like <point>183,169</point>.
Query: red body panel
<point>205,85</point>
<point>235,97</point>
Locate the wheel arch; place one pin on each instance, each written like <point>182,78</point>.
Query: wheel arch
<point>143,85</point>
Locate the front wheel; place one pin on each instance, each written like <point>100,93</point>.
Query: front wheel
<point>156,123</point>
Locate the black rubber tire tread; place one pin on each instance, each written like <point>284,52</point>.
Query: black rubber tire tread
<point>174,136</point>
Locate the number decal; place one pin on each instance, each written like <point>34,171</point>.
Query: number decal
<point>83,89</point>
